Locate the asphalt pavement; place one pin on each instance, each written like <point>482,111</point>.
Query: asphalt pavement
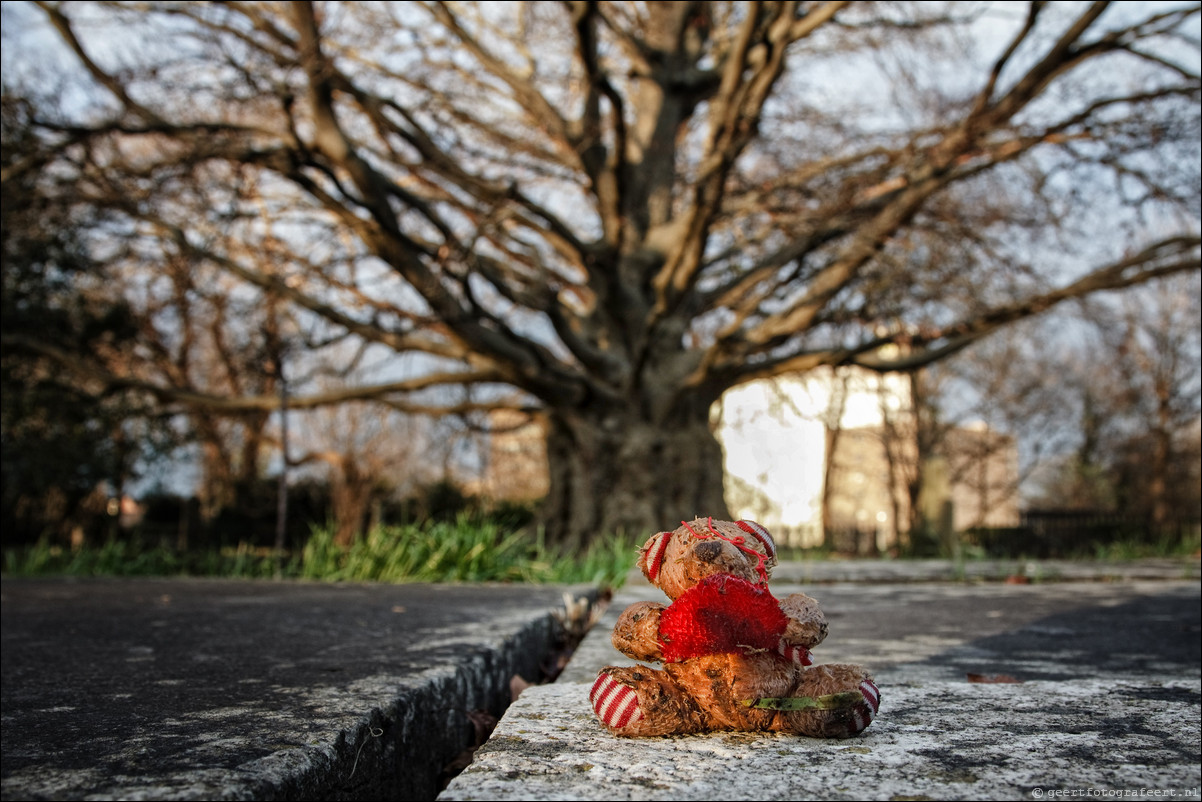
<point>213,689</point>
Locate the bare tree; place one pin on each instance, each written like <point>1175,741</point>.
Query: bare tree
<point>1022,382</point>
<point>1159,345</point>
<point>620,210</point>
<point>370,457</point>
<point>832,425</point>
<point>1106,400</point>
<point>198,335</point>
<point>1138,403</point>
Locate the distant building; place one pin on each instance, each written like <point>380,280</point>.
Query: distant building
<point>837,452</point>
<point>970,481</point>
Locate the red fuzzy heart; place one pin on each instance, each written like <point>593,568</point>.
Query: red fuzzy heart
<point>721,614</point>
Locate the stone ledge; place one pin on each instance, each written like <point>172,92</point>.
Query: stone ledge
<point>1108,700</point>
<point>937,740</point>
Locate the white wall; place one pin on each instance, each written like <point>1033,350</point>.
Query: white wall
<point>773,435</point>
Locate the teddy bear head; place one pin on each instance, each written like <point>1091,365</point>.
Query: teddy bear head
<point>678,560</point>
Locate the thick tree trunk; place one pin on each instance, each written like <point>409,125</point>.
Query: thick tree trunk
<point>615,472</point>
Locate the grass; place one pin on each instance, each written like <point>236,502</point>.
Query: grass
<point>472,548</point>
<point>1136,549</point>
<point>469,549</point>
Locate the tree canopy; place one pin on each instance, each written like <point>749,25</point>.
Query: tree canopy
<point>607,213</point>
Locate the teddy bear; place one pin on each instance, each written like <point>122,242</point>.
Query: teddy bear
<point>734,657</point>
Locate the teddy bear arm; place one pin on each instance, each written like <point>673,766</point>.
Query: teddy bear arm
<point>807,623</point>
<point>636,634</point>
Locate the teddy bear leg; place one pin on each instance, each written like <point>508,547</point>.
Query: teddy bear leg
<point>845,701</point>
<point>641,701</point>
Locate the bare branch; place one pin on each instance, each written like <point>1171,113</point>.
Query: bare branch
<point>1165,258</point>
<point>106,382</point>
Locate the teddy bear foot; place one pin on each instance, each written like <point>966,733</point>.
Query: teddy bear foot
<point>843,714</point>
<point>853,721</point>
<point>863,714</point>
<point>637,701</point>
<point>615,703</point>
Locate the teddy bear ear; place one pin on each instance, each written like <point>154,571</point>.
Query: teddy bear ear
<point>651,559</point>
<point>760,534</point>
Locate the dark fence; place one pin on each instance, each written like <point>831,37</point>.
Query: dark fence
<point>1076,533</point>
<point>852,542</point>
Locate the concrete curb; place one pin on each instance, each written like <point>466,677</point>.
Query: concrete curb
<point>936,741</point>
<point>1105,702</point>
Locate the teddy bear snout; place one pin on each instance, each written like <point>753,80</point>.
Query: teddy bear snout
<point>707,550</point>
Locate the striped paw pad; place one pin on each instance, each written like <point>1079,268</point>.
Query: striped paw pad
<point>864,715</point>
<point>617,705</point>
<point>872,695</point>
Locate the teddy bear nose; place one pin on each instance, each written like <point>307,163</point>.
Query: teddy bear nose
<point>707,551</point>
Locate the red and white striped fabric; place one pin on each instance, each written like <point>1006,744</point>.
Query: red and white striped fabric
<point>760,534</point>
<point>653,557</point>
<point>795,654</point>
<point>617,705</point>
<point>865,715</point>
